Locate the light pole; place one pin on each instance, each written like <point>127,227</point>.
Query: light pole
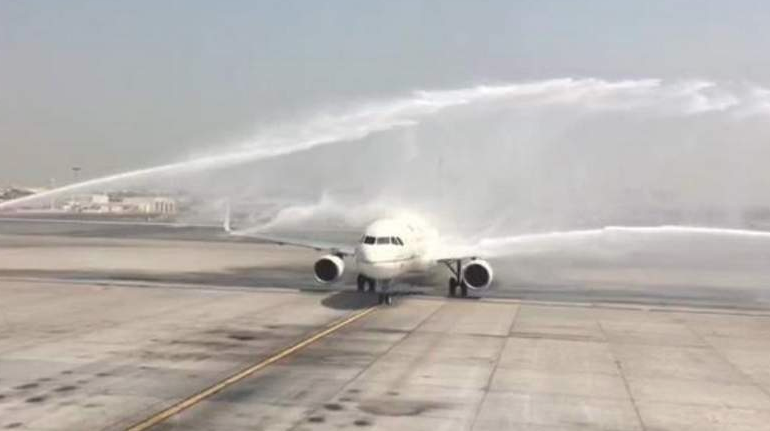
<point>76,173</point>
<point>52,185</point>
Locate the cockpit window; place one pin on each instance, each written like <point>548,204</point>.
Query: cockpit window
<point>382,240</point>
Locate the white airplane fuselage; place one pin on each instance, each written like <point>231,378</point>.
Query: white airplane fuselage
<point>390,248</point>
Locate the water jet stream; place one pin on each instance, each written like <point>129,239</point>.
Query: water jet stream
<point>683,98</point>
<point>499,246</point>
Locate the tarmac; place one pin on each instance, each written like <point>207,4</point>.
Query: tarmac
<point>102,333</point>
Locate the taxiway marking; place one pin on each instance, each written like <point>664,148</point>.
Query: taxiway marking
<point>190,401</point>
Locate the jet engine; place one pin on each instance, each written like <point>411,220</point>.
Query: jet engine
<point>329,268</point>
<point>478,274</point>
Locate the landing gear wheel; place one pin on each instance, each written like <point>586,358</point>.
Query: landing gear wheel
<point>372,285</point>
<point>360,283</point>
<point>385,298</point>
<point>463,290</point>
<point>452,287</point>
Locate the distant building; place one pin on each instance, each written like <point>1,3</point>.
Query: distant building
<point>11,193</point>
<point>98,203</point>
<point>15,192</point>
<point>124,203</point>
<point>150,205</point>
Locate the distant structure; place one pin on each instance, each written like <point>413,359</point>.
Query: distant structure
<point>12,192</point>
<point>17,192</point>
<point>150,206</point>
<point>119,204</point>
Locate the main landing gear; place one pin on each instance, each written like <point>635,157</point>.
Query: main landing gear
<point>456,281</point>
<point>383,297</point>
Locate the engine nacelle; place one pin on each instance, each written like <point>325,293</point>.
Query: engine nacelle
<point>478,274</point>
<point>329,268</point>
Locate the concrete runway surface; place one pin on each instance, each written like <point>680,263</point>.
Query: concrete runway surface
<point>104,333</point>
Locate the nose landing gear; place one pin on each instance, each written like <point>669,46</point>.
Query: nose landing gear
<point>383,297</point>
<point>362,281</point>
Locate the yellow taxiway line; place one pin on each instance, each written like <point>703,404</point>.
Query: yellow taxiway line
<point>192,400</point>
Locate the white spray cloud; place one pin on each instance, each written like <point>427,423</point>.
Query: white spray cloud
<point>334,213</point>
<point>527,243</point>
<point>638,97</point>
<point>321,130</point>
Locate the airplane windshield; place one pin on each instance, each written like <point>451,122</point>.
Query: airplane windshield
<point>369,240</point>
<point>383,240</point>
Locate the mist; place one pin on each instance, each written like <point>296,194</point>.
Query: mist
<point>563,155</point>
<point>494,160</point>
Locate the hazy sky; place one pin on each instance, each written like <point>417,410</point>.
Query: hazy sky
<point>115,85</point>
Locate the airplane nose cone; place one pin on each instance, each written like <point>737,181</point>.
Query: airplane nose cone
<point>369,254</point>
<point>377,262</point>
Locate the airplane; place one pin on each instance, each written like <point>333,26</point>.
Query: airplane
<point>388,250</point>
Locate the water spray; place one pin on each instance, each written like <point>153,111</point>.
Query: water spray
<point>684,98</point>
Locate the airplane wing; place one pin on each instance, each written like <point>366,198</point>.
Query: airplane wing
<point>455,258</point>
<point>452,253</point>
<point>334,248</point>
<point>331,247</point>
